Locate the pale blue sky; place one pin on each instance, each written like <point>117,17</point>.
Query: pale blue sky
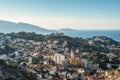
<point>55,14</point>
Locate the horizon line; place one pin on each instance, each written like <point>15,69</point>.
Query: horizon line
<point>66,28</point>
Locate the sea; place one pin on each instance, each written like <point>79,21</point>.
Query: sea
<point>114,34</point>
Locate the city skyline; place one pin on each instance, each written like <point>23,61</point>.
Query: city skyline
<point>56,14</point>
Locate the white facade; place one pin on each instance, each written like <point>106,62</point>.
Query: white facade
<point>17,53</point>
<point>59,58</point>
<point>4,57</point>
<point>44,62</point>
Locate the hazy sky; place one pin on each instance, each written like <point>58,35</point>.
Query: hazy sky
<point>55,14</point>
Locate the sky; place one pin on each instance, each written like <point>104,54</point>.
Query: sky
<point>56,14</point>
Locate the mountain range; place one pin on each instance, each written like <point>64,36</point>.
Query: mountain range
<point>8,27</point>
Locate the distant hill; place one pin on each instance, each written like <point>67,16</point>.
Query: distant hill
<point>8,27</point>
<point>66,29</point>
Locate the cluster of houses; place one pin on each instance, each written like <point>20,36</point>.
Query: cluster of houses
<point>103,42</point>
<point>49,60</point>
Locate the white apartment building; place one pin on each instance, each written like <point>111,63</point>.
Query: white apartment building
<point>59,58</point>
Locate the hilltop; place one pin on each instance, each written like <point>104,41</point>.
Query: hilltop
<point>97,43</point>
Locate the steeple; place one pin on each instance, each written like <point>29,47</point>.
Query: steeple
<point>71,54</point>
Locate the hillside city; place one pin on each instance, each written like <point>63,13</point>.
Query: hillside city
<point>31,56</point>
